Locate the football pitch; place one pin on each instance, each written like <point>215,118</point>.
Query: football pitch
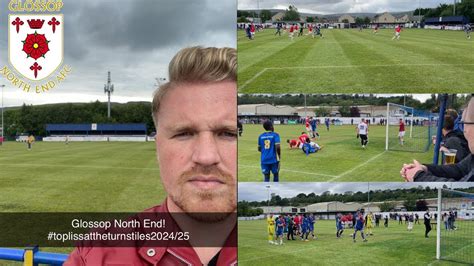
<point>79,177</point>
<point>341,159</point>
<point>387,246</point>
<point>349,61</point>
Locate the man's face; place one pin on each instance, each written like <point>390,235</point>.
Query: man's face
<point>196,145</point>
<point>469,129</point>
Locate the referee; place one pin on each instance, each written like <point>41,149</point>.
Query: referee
<point>427,219</point>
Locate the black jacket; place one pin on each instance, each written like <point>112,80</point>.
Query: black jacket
<point>462,171</point>
<point>456,140</point>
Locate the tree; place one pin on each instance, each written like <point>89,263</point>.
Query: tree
<point>410,204</point>
<point>355,112</point>
<point>322,111</point>
<point>291,14</point>
<point>366,20</point>
<point>310,19</point>
<point>386,207</point>
<point>421,205</point>
<point>359,21</point>
<point>242,20</point>
<point>344,111</point>
<point>265,15</point>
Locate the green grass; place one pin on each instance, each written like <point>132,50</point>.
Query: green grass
<point>79,177</point>
<point>341,159</point>
<point>387,246</point>
<point>458,245</point>
<point>349,61</point>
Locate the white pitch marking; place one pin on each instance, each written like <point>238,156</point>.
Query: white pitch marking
<point>357,167</point>
<point>287,170</point>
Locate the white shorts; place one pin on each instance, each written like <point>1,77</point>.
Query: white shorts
<point>397,34</point>
<point>401,134</point>
<point>309,129</point>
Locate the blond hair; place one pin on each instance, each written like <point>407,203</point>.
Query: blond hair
<point>197,64</point>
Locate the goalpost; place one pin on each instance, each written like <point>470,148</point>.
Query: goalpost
<point>419,128</point>
<point>395,112</point>
<point>455,226</point>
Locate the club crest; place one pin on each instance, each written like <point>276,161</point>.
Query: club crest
<point>36,44</point>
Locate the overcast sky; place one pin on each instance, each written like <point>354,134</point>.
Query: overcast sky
<point>134,39</point>
<point>258,191</point>
<point>341,6</point>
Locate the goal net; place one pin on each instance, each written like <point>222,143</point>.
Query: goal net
<point>420,127</point>
<point>455,233</point>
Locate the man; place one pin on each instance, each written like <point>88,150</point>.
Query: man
<point>410,222</point>
<point>291,32</point>
<point>196,149</point>
<point>291,227</point>
<point>427,222</point>
<point>339,225</point>
<point>398,30</point>
<point>359,226</point>
<point>401,131</point>
<point>303,138</point>
<point>304,228</point>
<point>307,125</point>
<point>326,121</point>
<point>278,29</point>
<point>454,139</point>
<point>468,30</point>
<point>317,31</point>
<point>310,147</point>
<point>362,132</point>
<point>29,141</point>
<point>301,30</point>
<point>369,223</point>
<point>312,220</point>
<point>314,123</point>
<point>376,29</point>
<point>462,171</point>
<point>269,147</point>
<point>280,225</point>
<point>294,143</point>
<point>271,229</point>
<point>252,31</point>
<point>247,32</point>
<point>240,128</point>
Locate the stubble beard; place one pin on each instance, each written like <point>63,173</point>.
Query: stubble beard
<point>206,205</point>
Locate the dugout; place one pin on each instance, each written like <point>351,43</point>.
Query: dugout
<point>96,129</point>
<point>451,20</point>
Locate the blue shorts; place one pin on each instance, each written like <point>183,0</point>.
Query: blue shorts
<point>279,232</point>
<point>273,167</point>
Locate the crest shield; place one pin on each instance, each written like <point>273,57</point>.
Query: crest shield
<point>35,44</point>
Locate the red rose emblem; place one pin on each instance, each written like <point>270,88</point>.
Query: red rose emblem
<point>35,45</point>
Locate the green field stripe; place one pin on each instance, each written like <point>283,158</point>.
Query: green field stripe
<point>85,167</point>
<point>348,61</point>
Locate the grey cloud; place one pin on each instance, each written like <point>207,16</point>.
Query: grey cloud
<point>134,39</point>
